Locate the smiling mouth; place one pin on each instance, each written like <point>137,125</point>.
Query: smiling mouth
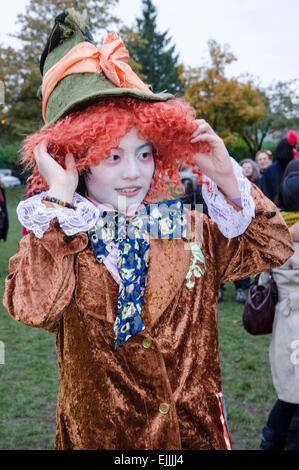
<point>129,190</point>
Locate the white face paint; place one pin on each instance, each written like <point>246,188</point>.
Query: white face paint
<point>123,178</point>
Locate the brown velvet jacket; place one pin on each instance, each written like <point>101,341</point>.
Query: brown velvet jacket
<point>159,390</point>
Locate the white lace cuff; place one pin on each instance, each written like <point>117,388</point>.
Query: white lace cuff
<point>35,216</point>
<point>231,222</point>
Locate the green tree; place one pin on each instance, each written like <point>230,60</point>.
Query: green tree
<point>281,103</point>
<point>159,63</point>
<point>19,68</point>
<point>227,104</point>
<point>132,40</point>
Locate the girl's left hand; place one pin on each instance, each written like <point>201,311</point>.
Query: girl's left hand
<point>216,164</point>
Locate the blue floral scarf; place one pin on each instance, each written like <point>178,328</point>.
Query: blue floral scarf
<point>161,220</point>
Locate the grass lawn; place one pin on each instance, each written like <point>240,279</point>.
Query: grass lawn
<point>29,382</point>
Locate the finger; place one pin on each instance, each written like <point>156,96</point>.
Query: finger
<point>69,161</point>
<point>39,150</point>
<point>199,122</point>
<point>205,138</point>
<point>201,129</point>
<point>41,147</point>
<point>45,162</point>
<point>70,166</point>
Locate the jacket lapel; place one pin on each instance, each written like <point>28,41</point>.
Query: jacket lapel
<point>169,263</point>
<point>97,294</point>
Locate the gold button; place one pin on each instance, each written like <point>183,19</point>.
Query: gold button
<point>147,343</point>
<point>164,408</point>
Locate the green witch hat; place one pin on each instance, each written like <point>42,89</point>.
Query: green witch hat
<point>76,73</point>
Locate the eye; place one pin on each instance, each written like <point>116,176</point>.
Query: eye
<point>145,155</point>
<point>113,157</point>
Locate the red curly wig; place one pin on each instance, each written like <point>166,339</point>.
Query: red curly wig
<point>89,134</point>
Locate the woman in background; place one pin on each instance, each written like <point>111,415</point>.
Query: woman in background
<point>284,347</point>
<point>263,161</point>
<point>250,170</point>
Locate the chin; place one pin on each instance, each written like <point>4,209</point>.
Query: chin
<point>127,202</point>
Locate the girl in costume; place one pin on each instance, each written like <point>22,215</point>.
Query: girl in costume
<point>129,286</point>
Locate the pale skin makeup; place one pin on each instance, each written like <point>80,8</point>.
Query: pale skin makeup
<point>127,171</point>
<point>124,177</point>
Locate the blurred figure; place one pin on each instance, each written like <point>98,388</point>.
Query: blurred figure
<point>293,139</point>
<point>250,170</point>
<point>284,347</point>
<point>263,159</point>
<point>193,193</point>
<point>3,214</point>
<point>284,153</point>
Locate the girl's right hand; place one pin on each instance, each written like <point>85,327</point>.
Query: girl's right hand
<point>62,182</point>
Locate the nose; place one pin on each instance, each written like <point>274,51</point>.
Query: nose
<point>131,168</point>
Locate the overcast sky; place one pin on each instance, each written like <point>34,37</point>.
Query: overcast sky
<point>263,34</point>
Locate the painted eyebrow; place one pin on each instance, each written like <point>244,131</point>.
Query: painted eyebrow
<point>138,148</point>
<point>144,145</point>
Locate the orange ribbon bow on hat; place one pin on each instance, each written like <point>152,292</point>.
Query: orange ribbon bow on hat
<point>110,58</point>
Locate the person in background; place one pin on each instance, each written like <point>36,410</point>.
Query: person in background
<point>193,191</point>
<point>263,159</point>
<point>284,346</point>
<point>293,140</point>
<point>3,214</point>
<point>250,170</point>
<point>284,153</point>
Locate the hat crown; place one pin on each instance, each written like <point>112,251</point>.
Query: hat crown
<point>68,31</point>
<point>72,81</point>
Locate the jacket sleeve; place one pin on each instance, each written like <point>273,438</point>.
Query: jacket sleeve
<point>41,277</point>
<point>265,244</point>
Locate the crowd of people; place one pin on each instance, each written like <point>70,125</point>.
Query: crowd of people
<point>128,282</point>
